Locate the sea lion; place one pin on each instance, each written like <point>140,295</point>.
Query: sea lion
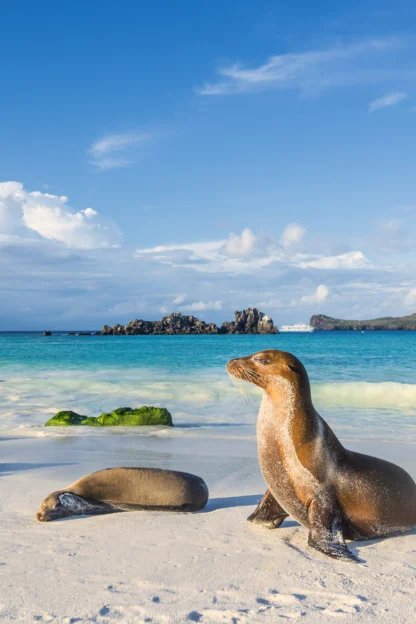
<point>126,489</point>
<point>337,494</point>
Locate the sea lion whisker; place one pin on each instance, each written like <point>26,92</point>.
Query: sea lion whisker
<point>240,387</point>
<point>248,372</point>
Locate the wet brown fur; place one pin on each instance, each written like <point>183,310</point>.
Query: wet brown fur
<point>126,489</point>
<point>332,491</point>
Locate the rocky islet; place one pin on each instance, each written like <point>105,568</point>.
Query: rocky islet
<point>250,321</point>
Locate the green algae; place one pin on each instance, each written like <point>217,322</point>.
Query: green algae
<point>66,418</point>
<point>128,417</point>
<point>121,417</point>
<point>91,421</point>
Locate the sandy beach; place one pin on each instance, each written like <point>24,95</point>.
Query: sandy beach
<point>207,255</point>
<point>211,566</point>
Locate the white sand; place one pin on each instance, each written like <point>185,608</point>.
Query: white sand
<point>165,568</point>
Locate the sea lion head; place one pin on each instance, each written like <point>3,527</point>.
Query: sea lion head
<point>60,505</point>
<point>266,367</point>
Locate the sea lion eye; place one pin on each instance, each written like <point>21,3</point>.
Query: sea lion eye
<point>260,360</point>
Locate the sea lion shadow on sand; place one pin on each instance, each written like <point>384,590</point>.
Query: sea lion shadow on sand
<point>335,493</point>
<point>225,502</point>
<point>10,468</point>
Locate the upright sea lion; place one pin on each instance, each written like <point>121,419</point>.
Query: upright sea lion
<point>126,489</point>
<point>337,494</point>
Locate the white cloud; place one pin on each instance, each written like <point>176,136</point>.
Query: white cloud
<point>197,250</point>
<point>292,234</point>
<point>240,245</point>
<point>410,299</point>
<point>116,142</point>
<point>51,217</point>
<point>214,256</point>
<point>349,260</point>
<point>66,288</point>
<point>12,197</point>
<point>198,306</point>
<point>319,296</point>
<point>179,299</point>
<point>390,99</point>
<point>103,149</point>
<point>210,256</point>
<point>318,69</point>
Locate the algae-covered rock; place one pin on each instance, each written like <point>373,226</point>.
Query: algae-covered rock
<point>121,417</point>
<point>66,418</point>
<point>91,421</point>
<point>128,417</point>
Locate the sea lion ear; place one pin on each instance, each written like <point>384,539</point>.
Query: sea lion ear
<point>293,367</point>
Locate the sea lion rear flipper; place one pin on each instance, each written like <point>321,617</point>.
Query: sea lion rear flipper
<point>326,531</point>
<point>268,512</point>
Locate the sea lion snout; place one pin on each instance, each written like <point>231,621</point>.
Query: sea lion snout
<point>245,368</point>
<point>266,367</point>
<point>51,508</point>
<point>259,367</point>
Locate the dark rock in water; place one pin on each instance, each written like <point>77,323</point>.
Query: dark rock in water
<point>97,333</point>
<point>72,333</point>
<point>323,322</point>
<point>175,323</point>
<point>118,330</point>
<point>250,321</point>
<point>66,418</point>
<point>47,333</point>
<point>84,334</point>
<point>137,327</point>
<point>121,417</point>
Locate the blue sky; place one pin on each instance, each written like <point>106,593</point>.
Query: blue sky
<point>203,157</point>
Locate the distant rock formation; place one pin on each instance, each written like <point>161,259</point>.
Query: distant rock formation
<point>47,333</point>
<point>250,321</point>
<point>175,323</point>
<point>322,322</point>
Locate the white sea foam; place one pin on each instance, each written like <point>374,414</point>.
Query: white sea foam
<point>200,398</point>
<point>389,395</point>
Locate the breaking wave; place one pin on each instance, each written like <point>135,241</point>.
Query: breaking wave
<point>207,398</point>
<point>389,395</point>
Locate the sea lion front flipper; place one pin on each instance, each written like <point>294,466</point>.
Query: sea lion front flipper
<point>326,531</point>
<point>268,513</point>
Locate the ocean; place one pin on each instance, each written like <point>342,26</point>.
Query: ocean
<point>363,384</point>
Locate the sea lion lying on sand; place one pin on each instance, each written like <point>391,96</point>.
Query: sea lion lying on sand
<point>334,492</point>
<point>126,489</point>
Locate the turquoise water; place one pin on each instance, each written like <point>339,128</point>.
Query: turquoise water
<point>365,380</point>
